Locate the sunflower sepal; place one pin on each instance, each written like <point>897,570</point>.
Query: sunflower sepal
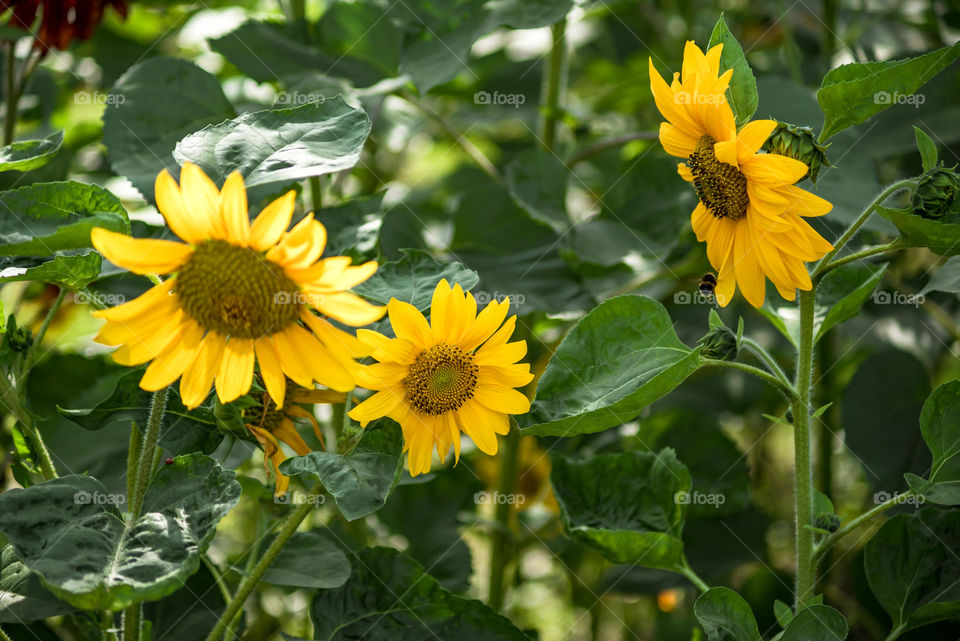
<point>799,143</point>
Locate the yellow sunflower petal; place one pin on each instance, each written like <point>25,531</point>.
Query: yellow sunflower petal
<point>502,399</point>
<point>197,379</point>
<point>147,345</point>
<point>381,375</point>
<point>676,141</point>
<point>753,134</point>
<point>270,370</point>
<point>236,369</point>
<point>288,343</point>
<point>191,226</point>
<point>173,361</point>
<point>749,276</point>
<point>348,308</point>
<point>480,424</point>
<point>773,169</point>
<point>409,323</point>
<point>203,198</point>
<point>268,227</point>
<point>378,405</point>
<point>487,322</point>
<point>803,203</point>
<point>233,209</point>
<point>287,432</point>
<point>142,304</point>
<point>517,375</point>
<point>140,255</point>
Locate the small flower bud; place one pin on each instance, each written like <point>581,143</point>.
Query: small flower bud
<point>828,522</point>
<point>800,144</point>
<point>719,343</point>
<point>936,195</point>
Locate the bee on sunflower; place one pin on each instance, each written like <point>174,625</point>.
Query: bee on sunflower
<point>750,214</point>
<point>455,374</point>
<point>239,294</point>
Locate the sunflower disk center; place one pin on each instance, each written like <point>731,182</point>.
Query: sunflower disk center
<point>236,291</point>
<point>722,188</point>
<point>442,379</point>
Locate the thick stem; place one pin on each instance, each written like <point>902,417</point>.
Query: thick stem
<point>803,470</point>
<point>500,538</point>
<point>251,581</point>
<point>148,449</point>
<point>783,386</point>
<point>131,623</point>
<point>554,85</point>
<point>316,195</point>
<point>867,516</point>
<point>851,231</point>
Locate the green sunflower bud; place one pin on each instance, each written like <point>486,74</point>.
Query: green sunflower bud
<point>936,196</point>
<point>17,339</point>
<point>828,522</point>
<point>719,343</point>
<point>800,144</point>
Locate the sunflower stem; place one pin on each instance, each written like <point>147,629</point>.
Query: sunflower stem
<point>500,537</point>
<point>867,516</point>
<point>767,358</point>
<point>3,635</point>
<point>688,572</point>
<point>148,449</point>
<point>11,401</point>
<point>783,385</point>
<point>863,253</point>
<point>10,119</point>
<point>554,84</point>
<point>247,585</point>
<point>803,470</point>
<point>851,231</point>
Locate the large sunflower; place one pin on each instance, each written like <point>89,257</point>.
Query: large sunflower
<point>240,292</point>
<point>750,213</point>
<point>455,374</point>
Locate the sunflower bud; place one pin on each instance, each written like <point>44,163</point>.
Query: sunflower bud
<point>827,521</point>
<point>936,195</point>
<point>719,343</point>
<point>17,339</point>
<point>800,144</point>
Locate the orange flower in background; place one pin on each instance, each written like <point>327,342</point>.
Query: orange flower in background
<point>750,212</point>
<point>61,21</point>
<point>239,293</point>
<point>455,374</point>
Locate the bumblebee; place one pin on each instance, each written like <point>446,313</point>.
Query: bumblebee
<point>707,284</point>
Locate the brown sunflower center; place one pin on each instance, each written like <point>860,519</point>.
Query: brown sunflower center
<point>442,379</point>
<point>722,188</point>
<point>236,291</point>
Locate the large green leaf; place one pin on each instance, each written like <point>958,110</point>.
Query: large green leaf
<point>725,616</point>
<point>361,480</point>
<point>389,597</point>
<point>190,613</point>
<point>22,596</point>
<point>852,93</point>
<point>537,180</point>
<point>277,147</point>
<point>43,218</point>
<point>619,358</point>
<point>629,505</point>
<point>413,278</point>
<point>155,104</point>
<point>917,231</point>
<point>913,569</point>
<point>25,155</point>
<point>70,532</point>
<point>309,560</point>
<point>879,418</point>
<point>940,426</point>
<point>353,227</point>
<point>742,92</point>
<point>71,269</point>
<point>816,623</point>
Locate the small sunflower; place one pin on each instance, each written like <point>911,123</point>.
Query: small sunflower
<point>750,212</point>
<point>240,292</point>
<point>271,424</point>
<point>454,374</point>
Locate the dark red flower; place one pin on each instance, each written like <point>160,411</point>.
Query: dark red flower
<point>61,21</point>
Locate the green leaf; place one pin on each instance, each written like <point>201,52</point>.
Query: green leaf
<point>25,155</point>
<point>537,181</point>
<point>190,613</point>
<point>942,493</point>
<point>277,147</point>
<point>816,623</point>
<point>725,616</point>
<point>413,278</point>
<point>928,149</point>
<point>852,93</point>
<point>619,359</point>
<point>22,596</point>
<point>389,597</point>
<point>947,278</point>
<point>153,105</point>
<point>70,532</point>
<point>309,560</point>
<point>70,270</point>
<point>917,231</point>
<point>913,569</point>
<point>44,218</point>
<point>940,427</point>
<point>783,612</point>
<point>742,93</point>
<point>353,227</point>
<point>359,31</point>
<point>629,505</point>
<point>361,480</point>
<point>878,411</point>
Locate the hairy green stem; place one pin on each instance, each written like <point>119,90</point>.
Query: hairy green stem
<point>148,449</point>
<point>316,196</point>
<point>694,578</point>
<point>247,585</point>
<point>554,84</point>
<point>49,317</point>
<point>867,516</point>
<point>131,622</point>
<point>757,350</point>
<point>851,231</point>
<point>10,119</point>
<point>782,385</point>
<point>10,398</point>
<point>500,537</point>
<point>803,469</point>
<point>863,253</point>
<point>3,635</point>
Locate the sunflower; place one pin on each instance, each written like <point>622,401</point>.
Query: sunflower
<point>271,424</point>
<point>239,292</point>
<point>455,374</point>
<point>750,212</point>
